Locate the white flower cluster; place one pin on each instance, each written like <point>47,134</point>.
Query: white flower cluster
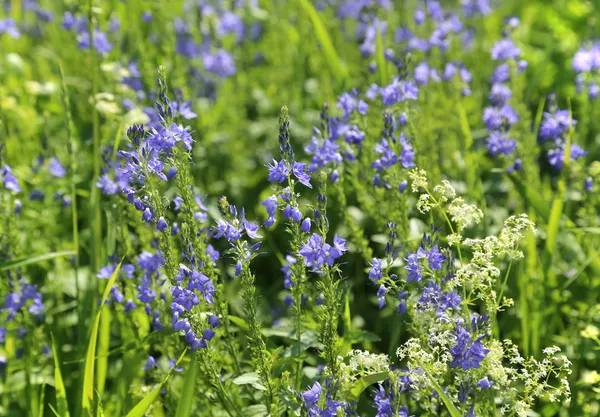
<point>528,380</point>
<point>481,272</point>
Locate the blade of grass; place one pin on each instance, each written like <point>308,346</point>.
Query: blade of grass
<point>556,212</point>
<point>34,259</point>
<point>96,152</point>
<point>88,376</point>
<point>364,382</point>
<point>381,63</point>
<point>142,407</point>
<point>447,402</point>
<point>102,352</point>
<point>72,145</point>
<point>337,67</point>
<point>184,406</point>
<point>61,393</point>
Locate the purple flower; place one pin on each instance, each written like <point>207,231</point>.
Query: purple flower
<point>271,205</point>
<point>298,171</point>
<point>305,226</point>
<point>311,250</point>
<point>9,180</point>
<point>220,63</point>
<point>499,144</point>
<point>100,41</point>
<point>278,172</point>
<point>161,225</point>
<point>9,26</point>
<point>312,395</point>
<point>56,169</point>
<point>505,49</point>
<point>435,258</point>
<point>375,272</point>
<point>150,364</point>
<point>484,383</point>
<point>467,355</point>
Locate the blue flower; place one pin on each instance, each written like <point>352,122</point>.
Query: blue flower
<point>100,41</point>
<point>484,383</point>
<point>9,26</point>
<point>298,171</point>
<point>499,144</point>
<point>228,230</point>
<point>505,49</point>
<point>467,355</point>
<point>56,169</point>
<point>150,364</point>
<point>375,272</point>
<point>305,226</point>
<point>278,172</point>
<point>271,205</point>
<point>220,63</point>
<point>9,180</point>
<point>383,403</point>
<point>435,258</point>
<point>312,395</point>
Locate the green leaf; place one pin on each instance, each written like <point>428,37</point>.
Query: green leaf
<point>238,321</point>
<point>447,402</point>
<point>337,67</point>
<point>34,259</point>
<point>102,352</point>
<point>90,357</point>
<point>250,378</point>
<point>61,393</point>
<point>144,405</point>
<point>530,195</point>
<point>364,382</point>
<point>184,406</point>
<point>381,63</point>
<point>257,410</point>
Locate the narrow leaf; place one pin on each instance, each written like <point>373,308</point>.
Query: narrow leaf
<point>364,382</point>
<point>447,401</point>
<point>88,375</point>
<point>381,63</point>
<point>61,393</point>
<point>337,67</point>
<point>34,259</point>
<point>184,406</point>
<point>142,407</point>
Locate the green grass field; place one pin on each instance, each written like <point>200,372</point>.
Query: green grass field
<point>299,208</point>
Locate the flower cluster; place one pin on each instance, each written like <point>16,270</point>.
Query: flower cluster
<point>185,298</point>
<point>586,63</point>
<point>317,253</point>
<point>555,128</point>
<point>501,116</point>
<point>79,25</point>
<point>315,404</point>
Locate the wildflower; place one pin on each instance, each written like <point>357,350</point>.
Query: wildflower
<point>100,41</point>
<point>305,226</point>
<point>271,205</point>
<point>505,49</point>
<point>162,225</point>
<point>150,364</point>
<point>220,63</point>
<point>278,172</point>
<point>56,169</point>
<point>9,180</point>
<point>467,355</point>
<point>9,26</point>
<point>375,272</point>
<point>312,395</point>
<point>484,383</point>
<point>298,171</point>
